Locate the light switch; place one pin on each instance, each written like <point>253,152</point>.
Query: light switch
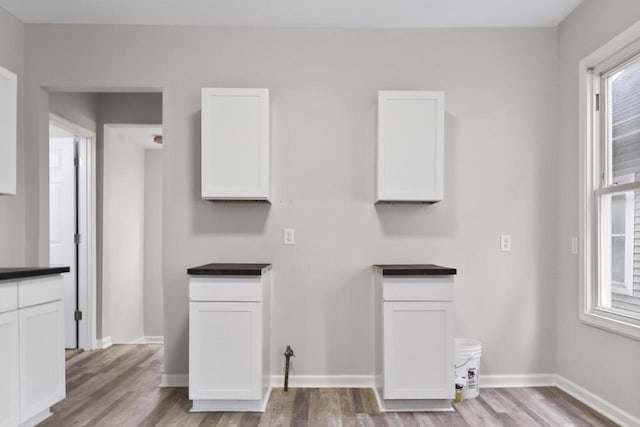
<point>574,245</point>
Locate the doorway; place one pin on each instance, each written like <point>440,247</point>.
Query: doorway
<point>132,232</point>
<point>115,296</point>
<point>71,226</point>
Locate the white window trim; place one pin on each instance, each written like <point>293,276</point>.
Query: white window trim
<point>626,288</point>
<point>619,48</point>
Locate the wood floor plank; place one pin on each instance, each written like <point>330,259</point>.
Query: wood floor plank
<point>300,416</point>
<point>119,386</point>
<point>280,408</point>
<point>324,409</point>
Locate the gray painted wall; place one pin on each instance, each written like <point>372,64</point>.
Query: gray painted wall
<point>500,175</point>
<point>123,236</point>
<point>77,107</point>
<point>12,208</point>
<point>153,306</point>
<point>599,361</point>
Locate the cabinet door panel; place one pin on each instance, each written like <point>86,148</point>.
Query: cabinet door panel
<point>418,350</point>
<point>9,366</point>
<point>225,350</point>
<point>410,150</point>
<point>235,143</point>
<point>42,369</point>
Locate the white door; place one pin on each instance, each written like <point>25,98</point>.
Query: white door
<point>225,350</point>
<point>62,225</point>
<point>9,366</point>
<point>42,370</point>
<point>418,350</point>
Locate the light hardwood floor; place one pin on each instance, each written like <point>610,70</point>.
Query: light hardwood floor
<point>119,387</point>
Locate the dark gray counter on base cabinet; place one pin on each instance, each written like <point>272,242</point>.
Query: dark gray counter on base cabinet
<point>229,364</point>
<point>414,337</point>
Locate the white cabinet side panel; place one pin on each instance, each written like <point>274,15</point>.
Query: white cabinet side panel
<point>9,370</point>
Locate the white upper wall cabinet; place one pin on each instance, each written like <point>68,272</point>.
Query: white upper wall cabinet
<point>235,144</point>
<point>8,130</point>
<point>410,151</point>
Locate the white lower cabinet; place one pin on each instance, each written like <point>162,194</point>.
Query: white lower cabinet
<point>9,368</point>
<point>414,337</point>
<point>32,362</point>
<point>42,371</point>
<point>229,364</point>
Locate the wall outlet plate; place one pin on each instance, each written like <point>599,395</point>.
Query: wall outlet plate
<point>505,243</point>
<point>289,236</point>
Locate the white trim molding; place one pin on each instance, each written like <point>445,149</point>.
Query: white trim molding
<point>154,339</point>
<point>148,340</point>
<point>174,380</point>
<point>591,165</point>
<point>324,381</point>
<point>37,418</point>
<point>531,380</point>
<point>597,403</point>
<point>86,267</point>
<point>102,343</point>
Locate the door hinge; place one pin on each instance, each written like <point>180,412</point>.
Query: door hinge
<point>597,102</point>
<point>77,239</point>
<point>77,315</point>
<point>76,162</point>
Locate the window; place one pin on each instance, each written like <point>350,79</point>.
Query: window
<point>610,217</point>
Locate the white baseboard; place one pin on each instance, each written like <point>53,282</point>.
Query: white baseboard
<point>103,343</point>
<point>530,380</point>
<point>298,381</point>
<point>597,403</point>
<point>148,340</point>
<point>172,380</point>
<point>324,381</point>
<point>37,418</point>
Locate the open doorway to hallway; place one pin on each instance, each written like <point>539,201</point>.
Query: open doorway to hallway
<point>109,228</point>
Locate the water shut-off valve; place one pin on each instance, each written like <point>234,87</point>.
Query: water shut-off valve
<point>287,354</point>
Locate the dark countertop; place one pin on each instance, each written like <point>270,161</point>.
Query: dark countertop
<point>415,270</point>
<point>228,269</point>
<point>24,272</point>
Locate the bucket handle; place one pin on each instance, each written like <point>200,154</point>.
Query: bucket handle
<point>466,361</point>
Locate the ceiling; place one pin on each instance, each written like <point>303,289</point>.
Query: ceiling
<point>297,13</point>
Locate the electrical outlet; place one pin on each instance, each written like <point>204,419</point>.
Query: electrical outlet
<point>505,243</point>
<point>574,245</point>
<point>289,236</point>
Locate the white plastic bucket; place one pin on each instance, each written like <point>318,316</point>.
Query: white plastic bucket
<point>468,353</point>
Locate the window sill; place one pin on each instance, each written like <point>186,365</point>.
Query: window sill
<point>604,321</point>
